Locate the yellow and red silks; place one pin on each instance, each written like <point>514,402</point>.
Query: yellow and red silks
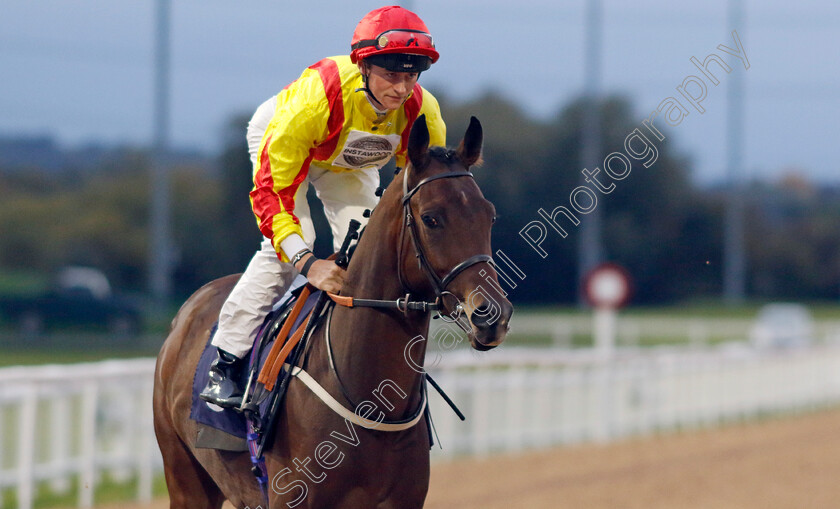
<point>323,119</point>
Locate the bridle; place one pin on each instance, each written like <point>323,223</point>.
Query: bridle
<point>403,304</point>
<point>438,284</point>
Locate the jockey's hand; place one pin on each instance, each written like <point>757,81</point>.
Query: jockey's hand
<point>324,275</point>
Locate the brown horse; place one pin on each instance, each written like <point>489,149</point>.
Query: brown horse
<point>432,212</point>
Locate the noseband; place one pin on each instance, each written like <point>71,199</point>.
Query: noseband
<point>438,284</point>
<point>403,304</point>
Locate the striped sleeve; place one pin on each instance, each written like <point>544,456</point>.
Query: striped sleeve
<point>422,103</point>
<point>434,120</point>
<point>299,124</point>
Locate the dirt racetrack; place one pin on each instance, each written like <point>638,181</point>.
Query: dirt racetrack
<point>791,463</point>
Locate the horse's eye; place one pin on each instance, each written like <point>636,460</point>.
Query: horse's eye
<point>430,221</point>
<point>493,221</point>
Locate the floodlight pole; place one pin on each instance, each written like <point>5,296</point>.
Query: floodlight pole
<point>590,248</point>
<point>734,259</point>
<point>160,254</point>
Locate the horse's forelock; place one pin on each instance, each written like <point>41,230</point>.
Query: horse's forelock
<point>448,156</point>
<point>443,155</point>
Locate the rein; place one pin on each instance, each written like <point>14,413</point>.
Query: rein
<point>405,304</point>
<point>402,303</point>
<point>439,284</point>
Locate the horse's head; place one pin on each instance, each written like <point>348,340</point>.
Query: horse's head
<point>445,238</point>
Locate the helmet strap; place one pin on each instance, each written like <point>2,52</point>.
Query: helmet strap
<point>367,89</point>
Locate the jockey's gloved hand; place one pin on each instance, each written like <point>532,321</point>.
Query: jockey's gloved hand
<point>322,274</point>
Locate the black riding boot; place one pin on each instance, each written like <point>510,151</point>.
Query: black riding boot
<point>223,387</point>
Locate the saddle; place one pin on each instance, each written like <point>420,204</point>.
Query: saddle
<point>281,339</point>
<point>279,354</point>
<point>248,429</point>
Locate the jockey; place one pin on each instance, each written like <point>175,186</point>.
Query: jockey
<point>334,128</point>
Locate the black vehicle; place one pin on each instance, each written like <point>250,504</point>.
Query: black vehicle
<point>76,304</point>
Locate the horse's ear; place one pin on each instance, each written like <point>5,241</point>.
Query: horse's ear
<point>418,143</point>
<point>469,151</point>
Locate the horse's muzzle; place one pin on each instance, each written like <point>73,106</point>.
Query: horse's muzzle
<point>490,321</point>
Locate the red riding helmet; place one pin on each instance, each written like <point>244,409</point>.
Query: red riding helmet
<point>394,38</point>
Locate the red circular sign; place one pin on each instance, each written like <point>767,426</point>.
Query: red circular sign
<point>607,286</point>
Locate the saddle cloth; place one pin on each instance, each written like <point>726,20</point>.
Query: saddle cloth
<point>225,428</point>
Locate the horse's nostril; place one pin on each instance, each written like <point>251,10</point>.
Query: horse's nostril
<point>481,316</point>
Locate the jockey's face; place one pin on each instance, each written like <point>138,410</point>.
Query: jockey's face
<point>390,88</point>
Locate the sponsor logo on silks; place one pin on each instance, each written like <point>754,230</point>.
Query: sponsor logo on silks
<point>366,150</point>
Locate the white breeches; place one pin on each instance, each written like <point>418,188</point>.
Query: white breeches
<point>344,197</point>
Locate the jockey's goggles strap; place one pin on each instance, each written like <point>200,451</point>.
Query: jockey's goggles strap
<point>398,39</point>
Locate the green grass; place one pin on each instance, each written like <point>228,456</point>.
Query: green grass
<point>821,310</point>
<point>22,283</point>
<point>108,491</point>
<point>77,347</point>
<point>74,348</point>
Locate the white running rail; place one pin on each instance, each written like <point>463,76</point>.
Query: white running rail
<point>74,423</point>
<point>516,399</point>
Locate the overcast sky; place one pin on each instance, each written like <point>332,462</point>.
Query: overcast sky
<point>82,70</point>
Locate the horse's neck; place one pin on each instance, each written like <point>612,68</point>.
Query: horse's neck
<point>369,344</point>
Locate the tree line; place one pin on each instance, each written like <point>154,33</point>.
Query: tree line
<point>664,229</point>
